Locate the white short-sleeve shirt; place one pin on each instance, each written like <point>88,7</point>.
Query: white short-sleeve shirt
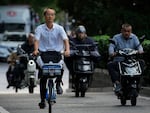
<point>50,39</point>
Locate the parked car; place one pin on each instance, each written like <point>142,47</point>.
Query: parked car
<point>9,43</point>
<point>4,52</point>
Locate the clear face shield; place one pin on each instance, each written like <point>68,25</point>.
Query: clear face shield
<point>81,36</point>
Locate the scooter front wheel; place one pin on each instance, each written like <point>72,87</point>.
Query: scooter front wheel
<point>133,97</point>
<point>31,86</point>
<point>31,90</point>
<point>76,93</point>
<point>133,100</point>
<point>82,93</point>
<point>16,89</point>
<point>123,101</point>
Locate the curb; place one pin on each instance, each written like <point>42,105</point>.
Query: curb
<point>101,89</point>
<point>145,91</point>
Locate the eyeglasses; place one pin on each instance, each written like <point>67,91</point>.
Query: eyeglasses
<point>48,15</point>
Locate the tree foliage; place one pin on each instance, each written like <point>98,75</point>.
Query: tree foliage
<point>105,16</point>
<point>108,15</point>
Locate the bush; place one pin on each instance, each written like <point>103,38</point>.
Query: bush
<point>146,76</point>
<point>103,42</point>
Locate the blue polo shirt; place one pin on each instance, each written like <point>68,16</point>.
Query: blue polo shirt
<point>132,42</point>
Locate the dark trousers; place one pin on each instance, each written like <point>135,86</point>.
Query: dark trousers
<point>113,69</point>
<point>55,57</point>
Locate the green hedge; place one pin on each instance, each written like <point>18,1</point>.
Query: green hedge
<point>103,42</point>
<point>146,77</point>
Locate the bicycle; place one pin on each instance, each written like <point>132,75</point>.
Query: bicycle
<point>51,71</point>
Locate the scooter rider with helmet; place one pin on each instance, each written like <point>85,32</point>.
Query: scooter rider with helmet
<point>81,38</point>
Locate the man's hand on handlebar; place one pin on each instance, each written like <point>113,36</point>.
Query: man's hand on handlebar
<point>140,52</point>
<point>113,54</point>
<point>67,53</point>
<point>35,52</point>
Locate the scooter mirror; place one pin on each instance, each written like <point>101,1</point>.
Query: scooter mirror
<point>142,38</point>
<point>72,43</point>
<point>112,41</point>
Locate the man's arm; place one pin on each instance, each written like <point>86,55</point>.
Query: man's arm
<point>36,47</point>
<point>67,48</point>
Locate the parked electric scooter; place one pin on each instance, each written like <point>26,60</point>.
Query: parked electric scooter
<point>130,72</point>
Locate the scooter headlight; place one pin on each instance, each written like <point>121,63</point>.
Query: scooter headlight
<point>84,67</point>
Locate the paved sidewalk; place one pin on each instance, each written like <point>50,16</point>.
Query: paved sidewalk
<point>145,91</point>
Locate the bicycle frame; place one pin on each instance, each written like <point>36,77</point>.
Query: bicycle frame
<point>51,94</point>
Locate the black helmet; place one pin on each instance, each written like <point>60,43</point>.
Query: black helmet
<point>81,29</point>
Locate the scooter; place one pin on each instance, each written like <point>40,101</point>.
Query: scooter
<point>130,74</point>
<point>83,67</point>
<point>130,71</point>
<point>30,73</point>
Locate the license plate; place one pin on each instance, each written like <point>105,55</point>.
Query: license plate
<point>52,70</point>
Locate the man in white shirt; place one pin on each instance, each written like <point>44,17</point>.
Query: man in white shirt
<point>50,40</point>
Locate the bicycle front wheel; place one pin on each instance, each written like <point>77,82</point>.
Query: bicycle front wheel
<point>50,87</point>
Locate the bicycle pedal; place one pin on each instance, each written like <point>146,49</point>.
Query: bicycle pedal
<point>53,102</point>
